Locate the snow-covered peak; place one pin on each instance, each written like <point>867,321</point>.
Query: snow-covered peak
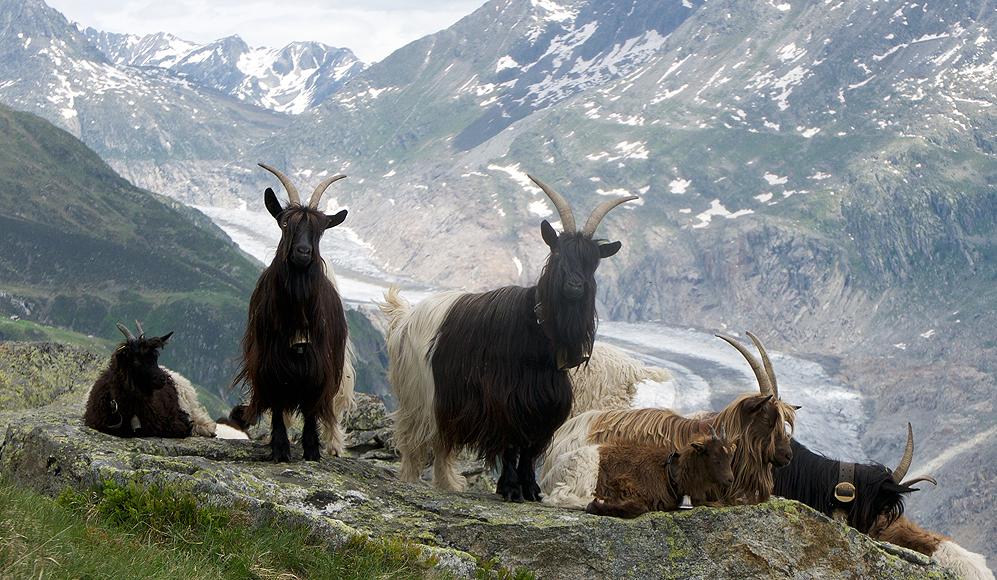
<point>288,80</point>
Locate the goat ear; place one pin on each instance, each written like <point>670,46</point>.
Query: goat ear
<point>548,234</point>
<point>757,405</point>
<point>335,220</point>
<point>163,339</point>
<point>273,205</point>
<point>609,249</point>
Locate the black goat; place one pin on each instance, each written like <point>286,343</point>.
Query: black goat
<point>488,371</point>
<point>864,494</point>
<point>134,396</point>
<point>295,346</point>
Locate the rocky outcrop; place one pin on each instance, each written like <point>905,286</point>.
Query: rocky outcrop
<point>49,449</point>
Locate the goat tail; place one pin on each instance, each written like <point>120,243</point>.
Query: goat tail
<point>394,306</point>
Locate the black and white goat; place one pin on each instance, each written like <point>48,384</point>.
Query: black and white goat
<point>136,397</point>
<point>489,371</point>
<point>870,498</point>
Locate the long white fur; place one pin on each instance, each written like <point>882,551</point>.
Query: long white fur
<point>223,431</point>
<point>411,337</point>
<point>572,481</point>
<point>565,473</point>
<point>968,565</point>
<point>204,426</point>
<point>609,380</point>
<point>334,435</point>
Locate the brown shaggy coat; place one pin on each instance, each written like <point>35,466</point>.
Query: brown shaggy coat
<point>755,423</point>
<point>636,479</point>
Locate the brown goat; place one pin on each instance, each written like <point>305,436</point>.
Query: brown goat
<point>636,479</point>
<point>756,423</point>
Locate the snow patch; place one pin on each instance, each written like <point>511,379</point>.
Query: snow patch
<point>679,186</point>
<point>717,209</point>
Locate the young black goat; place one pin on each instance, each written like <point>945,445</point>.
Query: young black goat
<point>488,371</point>
<point>136,397</point>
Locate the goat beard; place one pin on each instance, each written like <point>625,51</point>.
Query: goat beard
<point>569,325</point>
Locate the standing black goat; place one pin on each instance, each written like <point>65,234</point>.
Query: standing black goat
<point>295,346</point>
<point>489,371</point>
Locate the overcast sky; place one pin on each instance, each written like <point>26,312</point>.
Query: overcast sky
<point>371,28</point>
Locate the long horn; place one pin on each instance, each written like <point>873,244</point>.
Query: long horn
<point>766,362</point>
<point>901,471</point>
<point>124,330</point>
<point>317,194</point>
<point>764,386</point>
<point>141,331</point>
<point>562,205</point>
<point>919,479</point>
<point>292,192</point>
<point>601,211</point>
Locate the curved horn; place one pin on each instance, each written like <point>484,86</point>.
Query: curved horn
<point>901,471</point>
<point>764,386</point>
<point>124,330</point>
<point>562,205</point>
<point>766,362</point>
<point>317,194</point>
<point>292,192</point>
<point>601,211</point>
<point>141,331</point>
<point>919,479</point>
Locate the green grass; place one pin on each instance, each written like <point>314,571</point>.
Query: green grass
<point>133,531</point>
<point>28,331</point>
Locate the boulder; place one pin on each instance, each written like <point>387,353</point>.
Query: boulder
<point>49,449</point>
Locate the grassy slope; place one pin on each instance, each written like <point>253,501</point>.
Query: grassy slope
<point>81,248</point>
<point>129,531</point>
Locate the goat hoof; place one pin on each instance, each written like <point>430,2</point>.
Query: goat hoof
<point>511,492</point>
<point>313,455</point>
<point>531,492</point>
<point>280,454</point>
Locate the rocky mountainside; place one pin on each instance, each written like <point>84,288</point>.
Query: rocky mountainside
<point>291,79</point>
<point>154,127</point>
<point>47,448</point>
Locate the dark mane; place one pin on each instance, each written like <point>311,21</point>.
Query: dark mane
<point>497,382</point>
<point>810,478</point>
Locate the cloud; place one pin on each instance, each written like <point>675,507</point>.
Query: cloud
<point>372,28</point>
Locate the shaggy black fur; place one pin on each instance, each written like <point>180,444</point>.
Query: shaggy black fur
<point>134,385</point>
<point>810,478</point>
<point>294,298</point>
<point>500,358</point>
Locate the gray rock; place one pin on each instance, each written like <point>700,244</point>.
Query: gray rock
<point>49,449</point>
